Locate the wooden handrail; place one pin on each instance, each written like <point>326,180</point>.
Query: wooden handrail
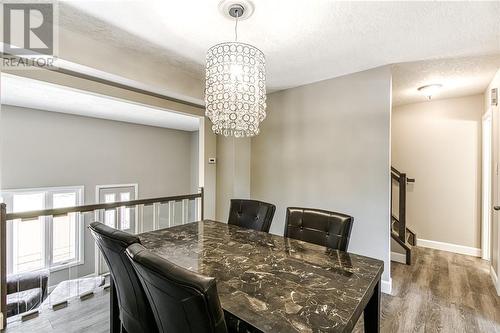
<point>89,208</point>
<point>395,174</point>
<point>396,171</point>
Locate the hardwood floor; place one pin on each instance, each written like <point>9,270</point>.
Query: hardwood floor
<point>440,292</point>
<point>91,315</point>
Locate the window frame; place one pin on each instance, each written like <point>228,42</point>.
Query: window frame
<point>99,216</point>
<point>48,192</point>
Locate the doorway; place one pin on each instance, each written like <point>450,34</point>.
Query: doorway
<point>486,184</point>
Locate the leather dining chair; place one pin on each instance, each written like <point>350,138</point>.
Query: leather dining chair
<point>182,301</point>
<point>320,227</point>
<point>135,312</point>
<point>251,214</point>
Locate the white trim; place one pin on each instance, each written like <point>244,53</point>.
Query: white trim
<point>98,187</point>
<point>398,257</point>
<point>1,321</point>
<point>494,278</point>
<point>45,189</point>
<point>486,181</point>
<point>386,286</point>
<point>455,248</point>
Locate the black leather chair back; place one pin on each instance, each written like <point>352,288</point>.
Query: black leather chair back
<point>182,301</point>
<point>251,214</point>
<point>135,311</point>
<point>318,226</point>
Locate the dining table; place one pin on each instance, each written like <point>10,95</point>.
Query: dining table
<point>273,283</point>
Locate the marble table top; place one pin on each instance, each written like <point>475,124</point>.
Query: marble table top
<point>276,284</point>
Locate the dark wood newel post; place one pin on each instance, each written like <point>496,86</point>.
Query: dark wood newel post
<point>402,207</point>
<point>3,262</point>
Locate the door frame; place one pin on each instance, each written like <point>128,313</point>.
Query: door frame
<point>486,183</point>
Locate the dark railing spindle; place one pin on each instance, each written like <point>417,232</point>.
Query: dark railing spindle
<point>402,207</point>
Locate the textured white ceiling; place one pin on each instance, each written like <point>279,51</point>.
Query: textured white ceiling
<point>304,41</point>
<point>23,92</point>
<point>459,77</point>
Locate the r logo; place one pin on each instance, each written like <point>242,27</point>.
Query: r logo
<point>28,28</point>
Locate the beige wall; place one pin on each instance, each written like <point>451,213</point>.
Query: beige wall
<point>495,229</point>
<point>48,149</point>
<point>233,172</point>
<point>42,148</point>
<point>131,64</point>
<point>326,145</point>
<point>439,144</point>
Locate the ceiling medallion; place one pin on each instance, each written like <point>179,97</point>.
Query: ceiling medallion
<point>235,86</point>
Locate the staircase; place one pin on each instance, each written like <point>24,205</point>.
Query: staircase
<point>400,232</point>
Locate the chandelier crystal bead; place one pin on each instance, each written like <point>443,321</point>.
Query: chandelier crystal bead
<point>235,89</point>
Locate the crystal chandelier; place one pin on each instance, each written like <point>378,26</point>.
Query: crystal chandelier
<point>235,87</point>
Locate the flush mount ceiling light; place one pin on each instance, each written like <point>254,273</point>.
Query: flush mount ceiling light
<point>235,86</point>
<point>430,90</point>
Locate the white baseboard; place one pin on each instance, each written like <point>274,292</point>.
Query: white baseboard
<point>386,286</point>
<point>494,277</point>
<point>398,257</point>
<point>1,321</point>
<point>460,249</point>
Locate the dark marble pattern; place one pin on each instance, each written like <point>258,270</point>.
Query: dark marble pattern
<point>273,283</point>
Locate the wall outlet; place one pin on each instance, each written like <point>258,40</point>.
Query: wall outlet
<point>211,160</point>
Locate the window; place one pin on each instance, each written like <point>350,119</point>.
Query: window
<point>123,217</point>
<point>45,242</point>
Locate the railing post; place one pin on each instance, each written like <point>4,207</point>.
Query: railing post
<point>3,262</point>
<point>402,207</point>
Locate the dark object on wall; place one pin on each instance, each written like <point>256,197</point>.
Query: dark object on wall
<point>319,226</point>
<point>135,312</point>
<point>251,214</point>
<point>182,301</point>
<point>26,291</point>
<point>494,96</point>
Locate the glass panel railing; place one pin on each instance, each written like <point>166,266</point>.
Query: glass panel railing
<point>52,260</point>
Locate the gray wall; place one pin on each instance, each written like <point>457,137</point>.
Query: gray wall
<point>439,144</point>
<point>233,172</point>
<point>45,149</point>
<point>327,145</point>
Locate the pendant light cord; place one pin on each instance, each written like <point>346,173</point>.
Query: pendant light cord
<point>236,26</point>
